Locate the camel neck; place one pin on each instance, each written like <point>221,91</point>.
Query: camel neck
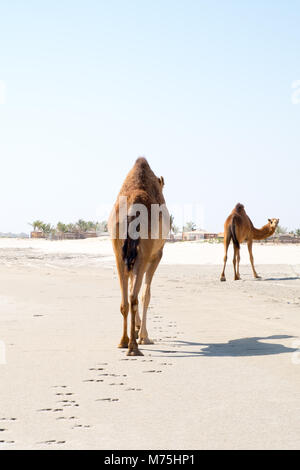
<point>262,233</point>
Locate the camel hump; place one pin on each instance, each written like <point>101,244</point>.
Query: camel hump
<point>239,208</point>
<point>142,161</point>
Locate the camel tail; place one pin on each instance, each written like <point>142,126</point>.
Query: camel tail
<point>130,252</point>
<point>233,234</point>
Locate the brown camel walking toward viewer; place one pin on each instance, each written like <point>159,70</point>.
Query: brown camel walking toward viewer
<point>239,228</point>
<point>138,242</point>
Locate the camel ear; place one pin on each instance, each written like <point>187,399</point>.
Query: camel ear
<point>270,221</point>
<point>161,181</point>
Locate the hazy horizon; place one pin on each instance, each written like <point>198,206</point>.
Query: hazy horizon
<point>206,91</point>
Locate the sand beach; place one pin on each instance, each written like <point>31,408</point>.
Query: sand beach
<point>224,371</point>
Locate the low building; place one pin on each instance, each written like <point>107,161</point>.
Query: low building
<point>37,234</point>
<point>209,236</point>
<point>193,235</point>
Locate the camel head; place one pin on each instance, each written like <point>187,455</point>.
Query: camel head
<point>273,224</point>
<point>161,182</point>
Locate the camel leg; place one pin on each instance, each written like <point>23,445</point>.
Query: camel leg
<point>236,262</point>
<point>137,280</point>
<point>138,322</point>
<point>143,336</point>
<point>252,260</point>
<point>238,259</point>
<point>123,276</point>
<point>137,315</point>
<point>226,245</point>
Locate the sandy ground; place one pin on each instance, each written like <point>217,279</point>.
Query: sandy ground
<point>224,371</point>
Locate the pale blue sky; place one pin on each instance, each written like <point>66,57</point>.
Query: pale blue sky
<point>201,88</point>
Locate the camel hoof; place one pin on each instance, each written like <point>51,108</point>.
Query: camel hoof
<point>123,344</point>
<point>237,279</point>
<point>134,352</point>
<point>223,279</point>
<point>257,277</point>
<point>146,341</point>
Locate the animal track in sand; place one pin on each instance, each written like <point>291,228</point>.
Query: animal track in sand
<point>108,399</point>
<point>65,402</point>
<point>152,371</point>
<point>93,380</point>
<point>66,417</point>
<point>129,359</point>
<point>105,374</point>
<point>82,426</point>
<point>52,441</point>
<point>6,421</point>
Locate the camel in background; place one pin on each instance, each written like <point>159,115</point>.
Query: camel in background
<point>239,228</point>
<point>137,257</point>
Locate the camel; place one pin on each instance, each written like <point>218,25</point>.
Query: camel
<point>239,228</point>
<point>138,256</point>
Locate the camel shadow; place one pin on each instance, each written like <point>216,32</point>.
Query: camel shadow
<point>295,278</point>
<point>233,348</point>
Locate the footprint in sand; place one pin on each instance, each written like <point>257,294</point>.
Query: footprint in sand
<point>152,371</point>
<point>64,401</point>
<point>104,374</point>
<point>81,426</point>
<point>3,430</point>
<point>93,380</point>
<point>51,442</point>
<point>108,399</point>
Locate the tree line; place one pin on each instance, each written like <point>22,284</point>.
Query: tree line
<point>81,226</point>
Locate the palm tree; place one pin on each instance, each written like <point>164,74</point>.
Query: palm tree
<point>173,227</point>
<point>102,226</point>
<point>46,228</point>
<point>297,232</point>
<point>189,227</point>
<point>82,225</point>
<point>61,227</point>
<point>72,228</point>
<point>91,226</point>
<point>37,225</point>
<point>280,230</point>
